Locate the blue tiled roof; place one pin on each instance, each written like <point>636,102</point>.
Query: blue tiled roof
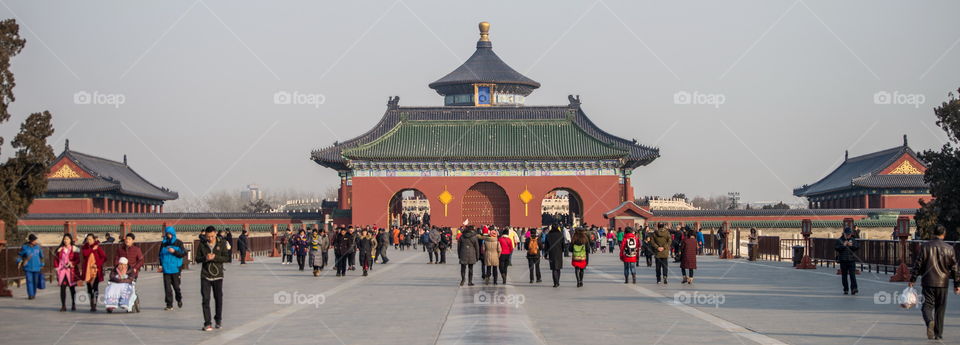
<point>862,171</point>
<point>108,176</point>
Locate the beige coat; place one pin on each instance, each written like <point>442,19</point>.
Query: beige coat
<point>491,254</point>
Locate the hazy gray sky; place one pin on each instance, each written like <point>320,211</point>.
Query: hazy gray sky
<point>197,79</point>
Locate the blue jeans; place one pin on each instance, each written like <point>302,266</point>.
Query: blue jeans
<point>629,268</point>
<point>34,282</point>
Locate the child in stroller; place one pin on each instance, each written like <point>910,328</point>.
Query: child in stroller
<point>121,289</point>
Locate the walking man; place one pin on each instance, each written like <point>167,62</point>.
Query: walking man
<point>171,260</point>
<point>846,248</point>
<point>556,246</point>
<point>211,256</point>
<point>382,246</point>
<point>243,246</point>
<point>937,263</point>
<point>661,245</point>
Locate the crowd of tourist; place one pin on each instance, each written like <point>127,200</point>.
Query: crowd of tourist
<point>82,262</point>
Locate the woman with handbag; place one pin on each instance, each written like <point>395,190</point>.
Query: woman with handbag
<point>30,260</point>
<point>67,264</point>
<point>93,259</point>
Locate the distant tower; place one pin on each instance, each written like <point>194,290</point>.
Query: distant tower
<point>253,193</point>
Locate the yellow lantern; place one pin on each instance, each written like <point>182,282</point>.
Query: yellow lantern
<point>525,197</point>
<point>445,198</point>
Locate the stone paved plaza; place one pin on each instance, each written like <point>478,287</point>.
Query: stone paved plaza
<point>410,302</point>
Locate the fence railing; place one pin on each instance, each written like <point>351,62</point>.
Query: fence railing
<point>874,255</point>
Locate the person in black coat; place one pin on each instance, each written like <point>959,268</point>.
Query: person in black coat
<point>554,251</point>
<point>243,246</point>
<point>846,248</point>
<point>382,241</point>
<point>343,247</point>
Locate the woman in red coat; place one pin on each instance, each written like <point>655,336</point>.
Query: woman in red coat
<point>688,255</point>
<point>92,268</point>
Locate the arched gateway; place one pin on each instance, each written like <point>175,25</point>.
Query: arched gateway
<point>486,203</point>
<point>483,155</point>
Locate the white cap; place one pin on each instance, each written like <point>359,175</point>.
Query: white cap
<point>123,261</point>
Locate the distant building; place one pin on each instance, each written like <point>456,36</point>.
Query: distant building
<point>306,205</point>
<point>82,183</point>
<point>670,204</point>
<point>484,158</point>
<point>556,204</point>
<point>891,178</point>
<point>252,193</point>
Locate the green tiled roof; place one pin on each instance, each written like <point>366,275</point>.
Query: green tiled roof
<point>485,139</point>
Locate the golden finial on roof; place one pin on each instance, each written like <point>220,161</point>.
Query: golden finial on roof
<point>484,32</point>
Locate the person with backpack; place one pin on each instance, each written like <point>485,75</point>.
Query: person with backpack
<point>581,254</point>
<point>446,240</point>
<point>533,255</point>
<point>171,260</point>
<point>629,251</point>
<point>555,245</point>
<point>688,256</point>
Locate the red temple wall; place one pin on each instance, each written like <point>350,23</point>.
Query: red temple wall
<point>371,196</point>
<point>61,206</point>
<point>904,201</point>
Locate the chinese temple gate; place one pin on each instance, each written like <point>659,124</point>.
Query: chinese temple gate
<point>484,157</point>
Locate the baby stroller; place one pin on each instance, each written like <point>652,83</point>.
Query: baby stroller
<point>121,292</point>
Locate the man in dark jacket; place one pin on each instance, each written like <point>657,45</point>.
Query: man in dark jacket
<point>660,243</point>
<point>342,247</point>
<point>846,248</point>
<point>382,241</point>
<point>554,246</point>
<point>130,251</point>
<point>243,246</point>
<point>937,263</point>
<point>211,255</point>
